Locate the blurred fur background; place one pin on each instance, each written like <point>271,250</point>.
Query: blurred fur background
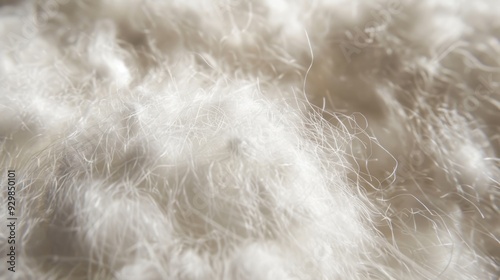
<point>260,139</point>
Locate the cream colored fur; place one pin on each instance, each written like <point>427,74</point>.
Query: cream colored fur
<point>321,139</point>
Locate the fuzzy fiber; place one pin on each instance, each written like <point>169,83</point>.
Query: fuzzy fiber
<point>253,140</point>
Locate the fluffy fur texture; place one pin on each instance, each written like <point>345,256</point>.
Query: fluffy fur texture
<point>323,139</point>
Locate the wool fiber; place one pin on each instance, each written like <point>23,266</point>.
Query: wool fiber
<point>251,139</point>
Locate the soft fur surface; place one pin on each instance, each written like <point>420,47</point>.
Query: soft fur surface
<point>260,139</point>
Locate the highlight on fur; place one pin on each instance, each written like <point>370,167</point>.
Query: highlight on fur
<point>323,139</point>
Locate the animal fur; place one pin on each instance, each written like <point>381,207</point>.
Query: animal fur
<point>323,139</point>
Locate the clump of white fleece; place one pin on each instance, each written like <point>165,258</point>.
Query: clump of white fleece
<point>321,139</point>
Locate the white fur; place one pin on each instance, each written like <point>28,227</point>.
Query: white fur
<point>257,139</point>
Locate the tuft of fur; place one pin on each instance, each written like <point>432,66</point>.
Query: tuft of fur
<point>323,139</point>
